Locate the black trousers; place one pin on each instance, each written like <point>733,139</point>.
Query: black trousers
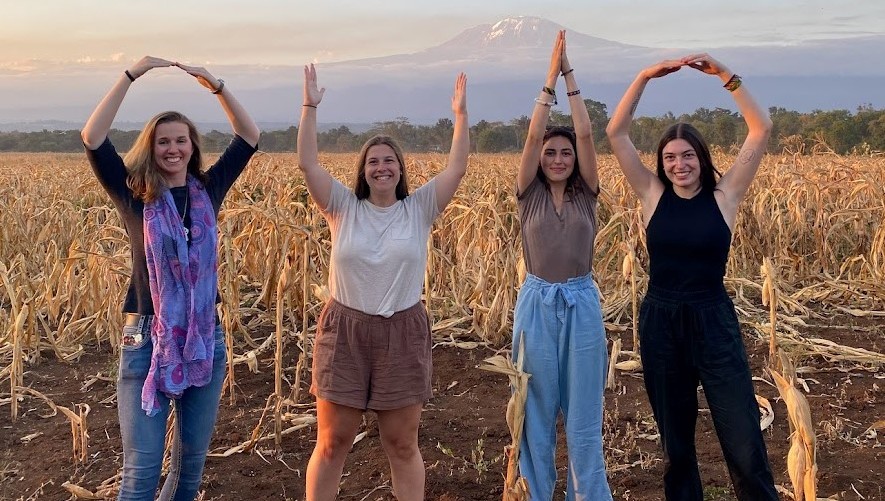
<point>686,338</point>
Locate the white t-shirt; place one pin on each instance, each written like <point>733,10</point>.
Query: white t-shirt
<point>379,254</point>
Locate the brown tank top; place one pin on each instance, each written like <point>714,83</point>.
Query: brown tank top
<point>557,246</point>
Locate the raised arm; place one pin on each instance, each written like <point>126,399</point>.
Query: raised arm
<point>531,151</point>
<point>99,124</point>
<point>644,182</point>
<point>319,182</point>
<point>239,118</point>
<point>448,180</point>
<point>581,121</point>
<point>735,183</point>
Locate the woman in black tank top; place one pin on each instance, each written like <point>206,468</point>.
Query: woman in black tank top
<point>688,328</point>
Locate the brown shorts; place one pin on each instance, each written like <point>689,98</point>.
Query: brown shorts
<point>372,362</point>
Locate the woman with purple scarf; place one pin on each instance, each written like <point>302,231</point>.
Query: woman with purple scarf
<point>173,352</point>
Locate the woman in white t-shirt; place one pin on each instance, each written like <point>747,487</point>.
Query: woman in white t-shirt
<point>372,349</point>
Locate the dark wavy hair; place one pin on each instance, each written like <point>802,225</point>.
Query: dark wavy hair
<point>568,133</point>
<point>685,131</point>
<point>361,186</point>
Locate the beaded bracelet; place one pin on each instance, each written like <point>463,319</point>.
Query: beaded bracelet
<point>573,93</point>
<point>733,83</point>
<point>550,91</point>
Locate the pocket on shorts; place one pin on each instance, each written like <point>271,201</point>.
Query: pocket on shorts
<point>327,332</point>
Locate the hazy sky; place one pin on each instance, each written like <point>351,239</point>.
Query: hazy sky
<point>292,32</point>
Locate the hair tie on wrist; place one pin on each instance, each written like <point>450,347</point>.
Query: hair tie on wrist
<point>129,75</point>
<point>564,73</point>
<point>310,106</point>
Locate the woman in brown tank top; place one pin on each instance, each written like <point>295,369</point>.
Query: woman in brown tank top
<point>558,320</point>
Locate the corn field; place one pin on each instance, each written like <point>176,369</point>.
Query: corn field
<point>809,245</point>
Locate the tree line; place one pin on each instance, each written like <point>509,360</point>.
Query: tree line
<point>841,131</point>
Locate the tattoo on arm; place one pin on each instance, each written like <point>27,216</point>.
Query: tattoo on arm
<point>635,104</point>
<point>747,156</point>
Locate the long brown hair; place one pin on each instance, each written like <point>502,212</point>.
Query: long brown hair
<point>692,136</point>
<point>361,186</point>
<point>569,133</point>
<point>144,179</point>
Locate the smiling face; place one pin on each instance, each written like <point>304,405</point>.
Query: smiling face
<point>172,151</point>
<point>557,160</point>
<point>383,170</point>
<point>681,166</point>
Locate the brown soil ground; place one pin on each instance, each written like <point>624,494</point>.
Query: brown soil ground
<point>462,433</point>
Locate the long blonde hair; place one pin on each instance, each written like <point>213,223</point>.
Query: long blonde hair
<point>144,179</point>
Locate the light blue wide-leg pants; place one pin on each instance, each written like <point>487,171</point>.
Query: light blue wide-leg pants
<point>566,354</point>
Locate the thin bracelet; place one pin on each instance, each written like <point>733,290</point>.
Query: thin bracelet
<point>564,73</point>
<point>542,102</point>
<point>310,106</point>
<point>573,93</point>
<point>129,75</point>
<point>220,87</point>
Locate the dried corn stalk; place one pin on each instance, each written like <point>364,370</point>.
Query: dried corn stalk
<point>515,487</point>
<point>802,456</point>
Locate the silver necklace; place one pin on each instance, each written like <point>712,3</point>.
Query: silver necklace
<point>187,233</point>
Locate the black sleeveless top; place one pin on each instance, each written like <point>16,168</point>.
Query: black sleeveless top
<point>688,242</point>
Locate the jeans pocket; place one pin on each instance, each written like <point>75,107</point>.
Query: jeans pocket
<point>134,338</point>
<point>135,359</point>
<point>220,354</point>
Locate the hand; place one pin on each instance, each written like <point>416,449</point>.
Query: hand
<point>312,95</point>
<point>564,65</point>
<point>706,63</point>
<point>459,98</point>
<point>147,63</point>
<point>556,59</point>
<point>662,68</point>
<point>203,76</point>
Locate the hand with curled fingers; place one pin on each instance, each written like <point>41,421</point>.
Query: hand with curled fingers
<point>662,68</point>
<point>707,64</point>
<point>146,64</point>
<point>202,75</point>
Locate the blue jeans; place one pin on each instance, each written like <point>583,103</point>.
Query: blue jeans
<point>565,352</point>
<point>144,437</point>
<point>692,337</point>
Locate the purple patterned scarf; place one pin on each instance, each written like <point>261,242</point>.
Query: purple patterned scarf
<point>184,283</point>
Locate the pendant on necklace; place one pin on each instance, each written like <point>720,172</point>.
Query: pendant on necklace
<point>187,233</point>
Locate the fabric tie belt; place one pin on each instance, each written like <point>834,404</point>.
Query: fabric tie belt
<point>563,289</point>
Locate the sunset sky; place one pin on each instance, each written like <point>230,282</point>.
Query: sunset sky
<point>58,57</point>
<point>286,32</point>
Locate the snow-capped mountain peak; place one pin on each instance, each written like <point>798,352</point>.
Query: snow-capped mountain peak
<point>520,32</point>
